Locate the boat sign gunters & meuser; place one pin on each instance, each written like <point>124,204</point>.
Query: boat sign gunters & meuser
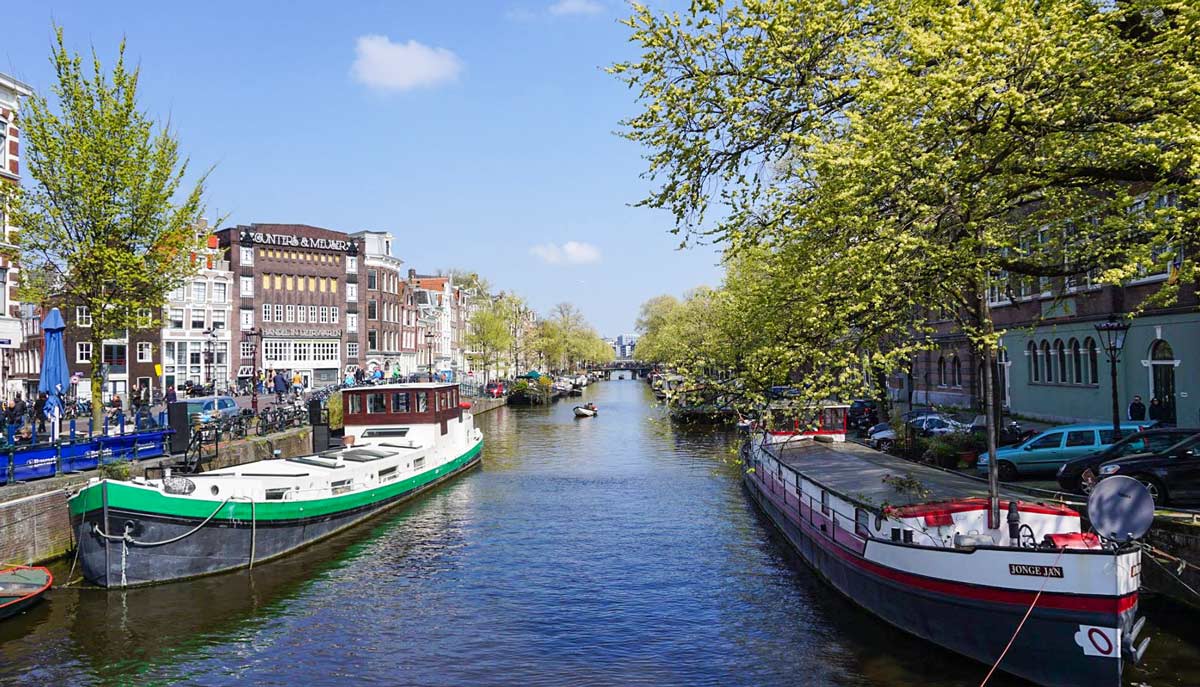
<point>404,439</point>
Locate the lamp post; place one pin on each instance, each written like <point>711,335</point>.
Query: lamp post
<point>1112,333</point>
<point>254,334</point>
<point>429,344</point>
<point>210,336</point>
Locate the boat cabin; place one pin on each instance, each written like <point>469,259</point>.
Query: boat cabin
<point>402,404</point>
<point>790,422</point>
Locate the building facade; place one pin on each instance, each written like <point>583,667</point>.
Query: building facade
<point>290,289</point>
<point>1052,362</point>
<point>196,338</point>
<point>19,359</point>
<point>386,319</point>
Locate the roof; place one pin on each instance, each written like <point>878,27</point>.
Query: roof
<point>19,87</point>
<point>404,386</point>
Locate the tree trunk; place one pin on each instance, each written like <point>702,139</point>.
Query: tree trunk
<point>989,395</point>
<point>97,382</point>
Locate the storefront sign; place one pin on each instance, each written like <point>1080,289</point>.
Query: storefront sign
<point>290,241</point>
<point>300,331</point>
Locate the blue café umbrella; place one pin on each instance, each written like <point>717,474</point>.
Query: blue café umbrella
<point>56,376</point>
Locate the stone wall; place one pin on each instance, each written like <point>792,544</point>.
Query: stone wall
<point>34,522</point>
<point>1179,537</point>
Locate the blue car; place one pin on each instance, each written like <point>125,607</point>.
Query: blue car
<point>1047,451</point>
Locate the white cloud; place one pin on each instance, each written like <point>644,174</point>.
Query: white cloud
<point>565,7</point>
<point>386,66</point>
<point>572,252</point>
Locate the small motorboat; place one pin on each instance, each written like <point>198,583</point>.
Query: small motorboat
<point>20,587</point>
<point>588,410</point>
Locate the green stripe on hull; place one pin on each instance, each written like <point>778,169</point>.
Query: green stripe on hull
<point>126,497</point>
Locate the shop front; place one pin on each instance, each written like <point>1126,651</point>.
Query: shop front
<point>317,360</point>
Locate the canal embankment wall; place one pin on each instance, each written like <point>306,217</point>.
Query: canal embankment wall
<point>1178,577</point>
<point>483,405</point>
<point>35,526</point>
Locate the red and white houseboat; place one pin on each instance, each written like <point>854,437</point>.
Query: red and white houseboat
<point>787,424</point>
<point>912,545</point>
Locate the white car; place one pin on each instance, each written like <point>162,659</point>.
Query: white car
<point>923,425</point>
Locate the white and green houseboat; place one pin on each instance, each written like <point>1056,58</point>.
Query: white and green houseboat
<point>407,438</point>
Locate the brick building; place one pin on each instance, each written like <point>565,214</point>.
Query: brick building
<point>19,360</point>
<point>291,288</point>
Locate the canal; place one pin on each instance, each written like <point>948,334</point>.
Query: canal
<point>609,551</point>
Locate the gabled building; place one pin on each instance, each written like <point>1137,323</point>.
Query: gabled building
<point>18,360</point>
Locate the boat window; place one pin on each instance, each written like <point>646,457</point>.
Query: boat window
<point>399,402</point>
<point>862,521</point>
<point>422,401</point>
<point>376,404</point>
<point>277,494</point>
<point>340,487</point>
<point>825,502</point>
<point>355,404</point>
<point>418,463</point>
<point>387,474</point>
<point>389,432</point>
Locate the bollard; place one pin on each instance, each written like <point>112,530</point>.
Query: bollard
<point>91,427</point>
<point>12,468</point>
<point>121,422</point>
<point>72,429</point>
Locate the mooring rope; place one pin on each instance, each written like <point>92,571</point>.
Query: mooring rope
<point>1021,624</point>
<point>126,538</point>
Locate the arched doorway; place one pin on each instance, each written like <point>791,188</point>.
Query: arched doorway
<point>1162,365</point>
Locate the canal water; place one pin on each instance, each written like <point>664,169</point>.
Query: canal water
<point>617,550</point>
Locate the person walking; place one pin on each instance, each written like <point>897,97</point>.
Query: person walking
<point>12,419</point>
<point>1137,409</point>
<point>281,386</point>
<point>171,396</point>
<point>297,383</point>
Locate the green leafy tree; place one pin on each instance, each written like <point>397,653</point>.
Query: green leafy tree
<point>106,222</point>
<point>488,335</point>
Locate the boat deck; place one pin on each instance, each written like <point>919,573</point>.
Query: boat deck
<point>856,471</point>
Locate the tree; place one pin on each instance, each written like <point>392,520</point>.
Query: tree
<point>925,155</point>
<point>488,335</point>
<point>651,323</point>
<point>107,224</point>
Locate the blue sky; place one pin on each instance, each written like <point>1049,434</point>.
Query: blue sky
<point>479,134</point>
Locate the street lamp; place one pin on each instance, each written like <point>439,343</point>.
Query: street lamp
<point>1112,334</point>
<point>255,335</point>
<point>429,344</point>
<point>210,336</point>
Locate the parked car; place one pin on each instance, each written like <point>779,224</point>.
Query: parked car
<point>494,389</point>
<point>1048,450</point>
<point>927,425</point>
<point>213,407</point>
<point>863,413</point>
<point>1171,475</point>
<point>1080,474</point>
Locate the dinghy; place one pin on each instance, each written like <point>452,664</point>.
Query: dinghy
<point>21,587</point>
<point>588,410</point>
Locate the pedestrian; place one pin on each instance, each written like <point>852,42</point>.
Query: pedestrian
<point>359,375</point>
<point>171,397</point>
<point>349,380</point>
<point>39,412</point>
<point>12,419</point>
<point>281,386</point>
<point>1157,411</point>
<point>1137,409</point>
<point>297,383</point>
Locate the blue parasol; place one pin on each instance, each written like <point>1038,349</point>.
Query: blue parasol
<point>56,376</point>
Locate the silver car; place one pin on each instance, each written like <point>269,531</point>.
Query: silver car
<point>213,407</point>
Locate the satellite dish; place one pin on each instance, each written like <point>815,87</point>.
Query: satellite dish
<point>1120,508</point>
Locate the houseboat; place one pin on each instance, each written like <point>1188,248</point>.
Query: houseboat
<point>787,423</point>
<point>402,440</point>
<point>913,546</point>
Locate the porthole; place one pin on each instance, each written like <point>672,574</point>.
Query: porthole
<point>214,489</point>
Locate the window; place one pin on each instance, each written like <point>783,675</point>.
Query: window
<point>278,281</point>
<point>956,368</point>
<point>1047,363</point>
<point>354,403</point>
<point>83,318</point>
<point>301,313</point>
<point>862,520</point>
<point>399,402</point>
<point>1081,438</point>
<point>372,280</point>
<point>266,316</point>
<point>333,314</point>
<point>144,351</point>
<point>324,314</point>
<point>1060,353</point>
<point>372,310</point>
<point>83,352</point>
<point>198,321</point>
<point>220,292</point>
<point>376,404</point>
<point>351,292</point>
<point>351,322</point>
<point>422,402</point>
<point>247,349</point>
<point>199,292</point>
<point>290,312</point>
<point>289,283</point>
<point>3,150</point>
<point>1076,363</point>
<point>321,284</point>
<point>246,255</point>
<point>941,371</point>
<point>218,319</point>
<point>247,287</point>
<point>351,264</point>
<point>372,340</point>
<point>247,319</point>
<point>144,318</point>
<point>312,314</point>
<point>333,285</point>
<point>1051,440</point>
<point>279,312</point>
<point>176,317</point>
<point>825,502</point>
<point>114,355</point>
<point>1090,344</point>
<point>352,349</point>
